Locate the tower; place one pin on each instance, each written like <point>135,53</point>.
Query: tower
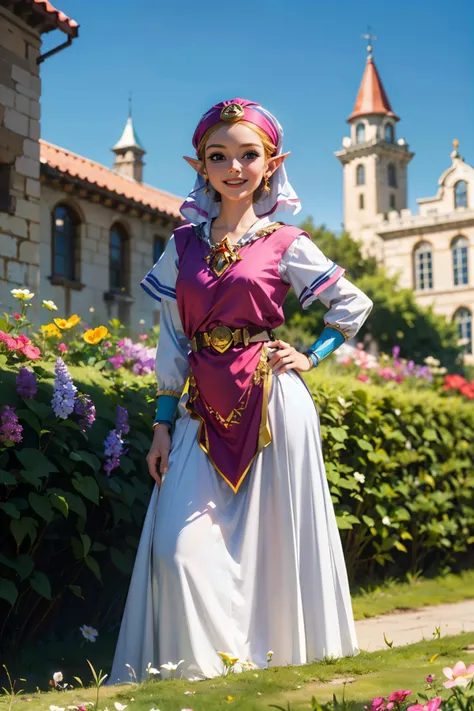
<point>129,152</point>
<point>374,161</point>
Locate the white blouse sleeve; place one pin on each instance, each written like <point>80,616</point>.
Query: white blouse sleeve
<point>313,276</point>
<point>171,363</point>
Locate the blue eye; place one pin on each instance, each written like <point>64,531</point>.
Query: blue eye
<point>252,154</point>
<point>216,156</point>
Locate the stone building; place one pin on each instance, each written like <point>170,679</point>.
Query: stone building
<point>71,230</point>
<point>432,251</point>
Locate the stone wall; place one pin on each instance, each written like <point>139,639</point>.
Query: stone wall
<point>20,90</point>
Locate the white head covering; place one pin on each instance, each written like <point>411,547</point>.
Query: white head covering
<point>199,207</point>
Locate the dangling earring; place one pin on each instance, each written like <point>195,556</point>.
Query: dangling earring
<point>266,185</point>
<point>207,190</point>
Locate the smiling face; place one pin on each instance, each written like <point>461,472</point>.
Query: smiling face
<point>234,161</point>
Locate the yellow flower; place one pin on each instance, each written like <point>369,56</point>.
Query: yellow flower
<point>95,335</point>
<point>230,698</point>
<point>22,294</point>
<point>49,305</point>
<point>66,324</point>
<point>50,330</point>
<point>228,659</point>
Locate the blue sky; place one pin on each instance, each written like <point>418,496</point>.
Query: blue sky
<point>302,60</point>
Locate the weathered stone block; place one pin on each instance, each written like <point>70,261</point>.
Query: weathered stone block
<point>16,122</point>
<point>34,130</point>
<point>27,166</point>
<point>22,104</point>
<point>2,268</point>
<point>7,96</point>
<point>19,183</point>
<point>33,277</point>
<point>21,76</point>
<point>29,252</point>
<point>33,188</point>
<point>8,246</point>
<point>29,209</point>
<point>12,225</point>
<point>31,149</point>
<point>34,232</point>
<point>26,91</point>
<point>35,110</point>
<point>16,272</point>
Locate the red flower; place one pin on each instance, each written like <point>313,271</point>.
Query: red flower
<point>453,382</point>
<point>17,316</point>
<point>26,341</point>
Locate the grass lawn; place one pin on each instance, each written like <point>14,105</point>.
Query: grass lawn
<point>390,596</point>
<point>373,674</point>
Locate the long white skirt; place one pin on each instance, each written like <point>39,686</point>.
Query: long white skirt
<point>241,573</point>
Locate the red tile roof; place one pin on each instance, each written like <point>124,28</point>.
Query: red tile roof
<point>98,175</point>
<point>371,98</point>
<point>62,21</point>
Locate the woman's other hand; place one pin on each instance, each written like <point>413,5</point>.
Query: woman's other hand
<point>159,453</point>
<point>287,358</point>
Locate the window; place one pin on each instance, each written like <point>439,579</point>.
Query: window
<point>463,319</point>
<point>360,175</point>
<point>360,133</point>
<point>65,242</point>
<point>460,194</point>
<point>423,266</point>
<point>361,202</point>
<point>389,133</point>
<point>118,259</point>
<point>391,176</point>
<point>7,202</point>
<point>393,202</point>
<point>158,247</point>
<point>460,268</point>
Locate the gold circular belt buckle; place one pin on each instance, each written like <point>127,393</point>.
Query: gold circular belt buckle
<point>221,338</point>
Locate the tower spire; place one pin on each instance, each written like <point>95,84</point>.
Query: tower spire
<point>370,38</point>
<point>371,97</point>
<point>128,150</point>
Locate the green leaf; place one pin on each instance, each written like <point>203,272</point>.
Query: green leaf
<point>24,566</point>
<point>76,590</point>
<point>86,543</point>
<point>5,326</point>
<point>41,410</point>
<point>127,465</point>
<point>7,478</point>
<point>26,526</point>
<point>94,566</point>
<point>121,561</point>
<point>76,504</point>
<point>368,521</point>
<point>87,457</point>
<point>40,504</point>
<point>8,591</point>
<point>364,444</point>
<point>60,503</point>
<point>10,509</point>
<point>35,461</point>
<point>338,433</point>
<point>343,523</point>
<point>87,486</point>
<point>400,547</point>
<point>40,582</point>
<point>31,478</point>
<point>30,418</point>
<point>429,434</point>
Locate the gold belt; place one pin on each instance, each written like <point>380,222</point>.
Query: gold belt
<point>220,338</point>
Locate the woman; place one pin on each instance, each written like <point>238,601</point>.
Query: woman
<point>240,550</point>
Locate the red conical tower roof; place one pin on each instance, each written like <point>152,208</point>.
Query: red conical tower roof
<point>371,98</point>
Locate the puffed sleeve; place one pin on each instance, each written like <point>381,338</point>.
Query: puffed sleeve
<point>171,363</point>
<point>313,276</point>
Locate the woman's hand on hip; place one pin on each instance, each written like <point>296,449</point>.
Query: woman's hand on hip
<point>287,358</point>
<point>159,453</point>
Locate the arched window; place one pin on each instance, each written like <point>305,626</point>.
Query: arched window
<point>360,174</point>
<point>360,133</point>
<point>361,201</point>
<point>158,247</point>
<point>118,259</point>
<point>460,268</point>
<point>391,176</point>
<point>423,266</point>
<point>393,202</point>
<point>460,194</point>
<point>65,242</point>
<point>389,133</point>
<point>463,319</point>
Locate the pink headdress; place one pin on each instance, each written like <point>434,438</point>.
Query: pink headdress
<point>199,207</point>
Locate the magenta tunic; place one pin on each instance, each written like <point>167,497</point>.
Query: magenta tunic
<point>228,392</point>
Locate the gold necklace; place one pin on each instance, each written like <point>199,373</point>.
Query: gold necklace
<point>222,255</point>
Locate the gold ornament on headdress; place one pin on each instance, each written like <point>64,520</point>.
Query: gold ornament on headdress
<point>232,112</point>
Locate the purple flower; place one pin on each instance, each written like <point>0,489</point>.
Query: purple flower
<point>84,407</point>
<point>113,449</point>
<point>26,383</point>
<point>10,428</point>
<point>117,361</point>
<point>123,427</point>
<point>396,351</point>
<point>64,391</point>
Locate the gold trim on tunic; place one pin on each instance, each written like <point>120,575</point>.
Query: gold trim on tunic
<point>174,393</point>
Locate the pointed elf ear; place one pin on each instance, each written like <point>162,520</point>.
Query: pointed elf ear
<point>197,164</point>
<point>275,162</point>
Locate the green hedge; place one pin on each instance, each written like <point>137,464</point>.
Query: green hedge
<point>399,465</point>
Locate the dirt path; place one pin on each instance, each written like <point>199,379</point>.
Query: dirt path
<point>407,627</point>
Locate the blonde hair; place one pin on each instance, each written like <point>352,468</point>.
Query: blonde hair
<point>268,148</point>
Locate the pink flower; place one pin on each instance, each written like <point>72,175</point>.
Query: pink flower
<point>431,705</point>
<point>62,347</point>
<point>377,703</point>
<point>4,337</point>
<point>399,696</point>
<point>363,377</point>
<point>430,678</point>
<point>17,316</point>
<point>117,361</point>
<point>143,336</point>
<point>13,344</point>
<point>346,360</point>
<point>458,675</point>
<point>31,352</point>
<point>26,341</point>
<point>108,344</point>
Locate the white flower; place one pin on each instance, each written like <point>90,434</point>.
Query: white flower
<point>142,322</point>
<point>22,294</point>
<point>92,309</point>
<point>189,693</point>
<point>397,412</point>
<point>58,676</point>
<point>270,655</point>
<point>56,708</point>
<point>119,707</point>
<point>89,632</point>
<point>169,666</point>
<point>50,305</point>
<point>359,477</point>
<point>408,444</point>
<point>386,521</point>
